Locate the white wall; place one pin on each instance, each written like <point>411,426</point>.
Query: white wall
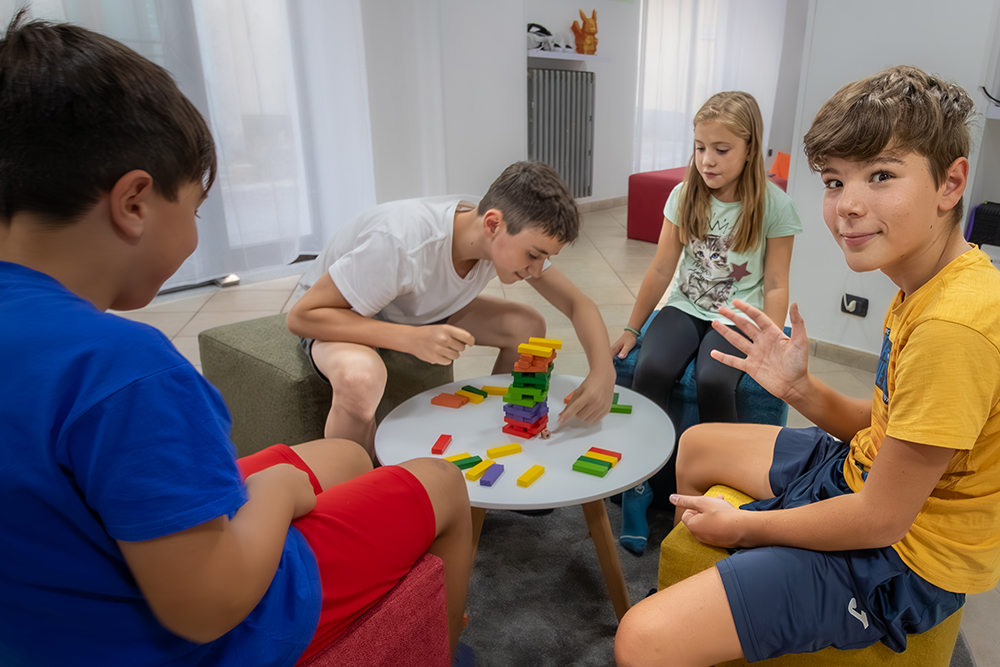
<point>618,23</point>
<point>847,40</point>
<point>448,92</point>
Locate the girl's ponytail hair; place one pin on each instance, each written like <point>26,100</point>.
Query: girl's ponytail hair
<point>739,112</point>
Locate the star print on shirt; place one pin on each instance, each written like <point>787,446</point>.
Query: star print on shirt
<point>739,271</point>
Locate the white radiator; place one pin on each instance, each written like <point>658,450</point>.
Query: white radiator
<point>561,125</point>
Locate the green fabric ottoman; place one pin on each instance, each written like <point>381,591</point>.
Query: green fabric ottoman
<point>272,390</point>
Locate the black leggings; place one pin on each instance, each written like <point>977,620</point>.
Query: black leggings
<point>672,340</point>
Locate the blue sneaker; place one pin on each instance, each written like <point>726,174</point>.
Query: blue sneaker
<point>635,529</point>
<point>464,656</point>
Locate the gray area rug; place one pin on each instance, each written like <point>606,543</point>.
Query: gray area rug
<point>538,597</point>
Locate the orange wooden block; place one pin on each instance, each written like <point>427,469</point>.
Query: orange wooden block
<point>568,398</point>
<point>449,400</point>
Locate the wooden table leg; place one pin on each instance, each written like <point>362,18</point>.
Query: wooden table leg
<point>604,542</point>
<point>478,515</point>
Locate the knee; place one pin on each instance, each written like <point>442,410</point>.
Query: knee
<point>522,323</point>
<point>352,458</point>
<point>358,381</point>
<point>689,448</point>
<point>637,640</point>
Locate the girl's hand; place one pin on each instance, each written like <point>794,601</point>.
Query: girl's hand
<point>711,520</point>
<point>439,343</point>
<point>624,345</point>
<point>778,363</point>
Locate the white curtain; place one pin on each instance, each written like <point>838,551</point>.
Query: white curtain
<point>692,49</point>
<point>282,84</point>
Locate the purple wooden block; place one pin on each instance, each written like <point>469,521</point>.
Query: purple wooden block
<point>524,414</point>
<point>491,475</point>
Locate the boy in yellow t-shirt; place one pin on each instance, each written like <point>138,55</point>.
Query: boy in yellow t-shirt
<point>882,537</point>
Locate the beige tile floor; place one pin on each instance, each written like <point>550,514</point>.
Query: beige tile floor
<point>607,266</point>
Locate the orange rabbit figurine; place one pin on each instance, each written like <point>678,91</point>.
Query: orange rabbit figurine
<point>586,37</point>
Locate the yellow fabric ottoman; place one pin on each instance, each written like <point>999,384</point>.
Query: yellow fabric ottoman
<point>681,556</point>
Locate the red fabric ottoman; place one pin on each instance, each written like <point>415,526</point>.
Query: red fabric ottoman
<point>407,628</point>
<point>647,194</point>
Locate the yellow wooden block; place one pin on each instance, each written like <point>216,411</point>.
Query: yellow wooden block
<point>504,450</point>
<point>602,457</point>
<point>475,398</point>
<point>457,457</point>
<point>546,342</point>
<point>528,478</point>
<point>535,350</point>
<point>475,472</point>
<point>495,391</point>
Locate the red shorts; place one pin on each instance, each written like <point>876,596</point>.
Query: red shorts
<point>365,533</point>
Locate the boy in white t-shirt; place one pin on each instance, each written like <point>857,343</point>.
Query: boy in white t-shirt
<point>407,276</point>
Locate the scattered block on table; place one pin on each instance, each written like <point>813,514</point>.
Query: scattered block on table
<point>504,450</point>
<point>457,457</point>
<point>590,468</point>
<point>596,462</point>
<point>449,400</point>
<point>441,444</point>
<point>535,350</point>
<point>602,457</point>
<point>546,342</point>
<point>476,471</point>
<point>606,452</point>
<point>475,398</point>
<point>622,409</point>
<point>495,391</point>
<point>528,478</point>
<point>473,390</point>
<point>569,397</point>
<point>491,475</point>
<point>463,464</point>
<point>614,399</point>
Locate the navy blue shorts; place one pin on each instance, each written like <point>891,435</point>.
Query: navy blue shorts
<point>787,600</point>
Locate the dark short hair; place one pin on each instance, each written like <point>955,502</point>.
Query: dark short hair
<point>902,107</point>
<point>78,111</point>
<point>531,194</point>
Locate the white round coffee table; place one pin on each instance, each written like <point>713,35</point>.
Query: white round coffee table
<point>644,438</point>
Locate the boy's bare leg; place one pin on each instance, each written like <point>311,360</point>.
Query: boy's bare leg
<point>358,377</point>
<point>446,487</point>
<point>497,322</point>
<point>689,624</point>
<point>334,461</point>
<point>737,455</point>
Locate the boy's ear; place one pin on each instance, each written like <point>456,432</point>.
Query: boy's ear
<point>129,203</point>
<point>955,180</point>
<point>493,222</point>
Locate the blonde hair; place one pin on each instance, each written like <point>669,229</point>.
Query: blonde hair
<point>739,113</point>
<point>903,107</point>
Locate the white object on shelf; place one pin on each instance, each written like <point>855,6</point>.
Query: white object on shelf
<point>565,55</point>
<point>992,111</point>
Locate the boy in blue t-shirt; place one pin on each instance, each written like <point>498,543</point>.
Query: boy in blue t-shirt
<point>131,535</point>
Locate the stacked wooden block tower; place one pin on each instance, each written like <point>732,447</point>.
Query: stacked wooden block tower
<point>526,408</point>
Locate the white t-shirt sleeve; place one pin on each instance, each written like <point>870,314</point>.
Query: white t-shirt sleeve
<point>373,273</point>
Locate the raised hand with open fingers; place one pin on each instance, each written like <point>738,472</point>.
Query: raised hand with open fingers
<point>778,363</point>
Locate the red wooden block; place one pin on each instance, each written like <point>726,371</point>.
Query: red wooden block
<point>441,444</point>
<point>606,452</point>
<point>517,432</point>
<point>449,400</point>
<point>532,428</point>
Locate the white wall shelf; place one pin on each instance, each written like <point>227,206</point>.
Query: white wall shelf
<point>566,55</point>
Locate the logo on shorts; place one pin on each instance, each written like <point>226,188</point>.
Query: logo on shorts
<point>852,609</point>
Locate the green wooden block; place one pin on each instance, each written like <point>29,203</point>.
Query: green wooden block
<point>614,401</point>
<point>590,468</point>
<point>528,392</point>
<point>514,400</point>
<point>473,390</point>
<point>468,463</point>
<point>531,382</point>
<point>518,375</point>
<point>622,409</point>
<point>587,459</point>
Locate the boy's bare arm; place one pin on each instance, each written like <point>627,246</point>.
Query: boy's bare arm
<point>901,479</point>
<point>202,582</point>
<point>780,364</point>
<point>324,314</point>
<point>592,399</point>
